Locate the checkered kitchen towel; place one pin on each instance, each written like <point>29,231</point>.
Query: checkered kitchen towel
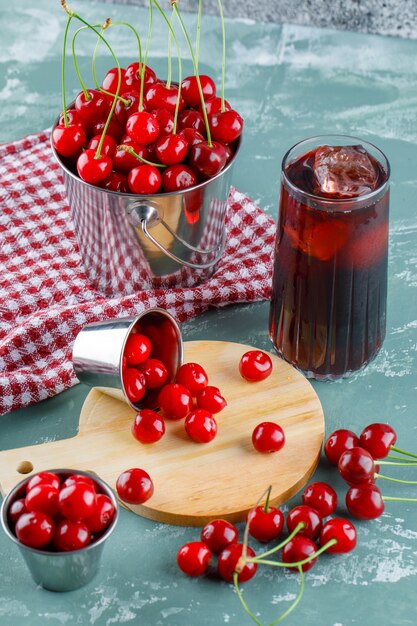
<point>45,297</point>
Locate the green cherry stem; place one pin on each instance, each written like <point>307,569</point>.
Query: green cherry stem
<point>296,601</point>
<point>394,499</point>
<point>403,452</point>
<point>200,91</point>
<point>130,150</point>
<point>145,60</point>
<point>396,480</point>
<point>399,458</point>
<point>406,464</point>
<point>239,595</point>
<point>74,59</point>
<point>243,557</point>
<point>197,37</point>
<point>169,68</point>
<point>223,52</point>
<point>326,546</point>
<point>296,530</point>
<point>64,50</point>
<point>266,505</point>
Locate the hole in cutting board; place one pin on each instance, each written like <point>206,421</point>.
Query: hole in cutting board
<point>25,467</point>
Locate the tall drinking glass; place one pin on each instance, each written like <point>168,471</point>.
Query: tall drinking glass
<point>329,290</point>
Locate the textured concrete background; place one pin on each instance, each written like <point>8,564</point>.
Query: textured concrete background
<point>395,17</point>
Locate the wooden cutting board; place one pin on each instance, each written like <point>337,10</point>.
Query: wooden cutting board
<point>195,483</point>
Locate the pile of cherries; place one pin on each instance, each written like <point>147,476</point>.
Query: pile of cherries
<point>60,513</point>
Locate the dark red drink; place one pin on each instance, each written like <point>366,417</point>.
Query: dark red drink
<point>328,307</point>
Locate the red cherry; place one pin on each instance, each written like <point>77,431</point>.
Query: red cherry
<point>343,531</point>
<point>34,529</point>
<point>103,514</point>
<point>78,478</point>
<point>148,426</point>
<point>200,426</point>
<point>165,121</point>
<point>108,147</point>
<point>159,96</point>
<point>95,108</point>
<point>189,89</point>
<point>91,169</point>
<point>71,536</point>
<point>134,486</point>
<point>111,80</point>
<point>144,180</point>
<point>211,399</point>
<point>124,161</point>
<point>155,372</point>
<point>338,442</point>
<point>228,559</point>
<point>226,126</point>
<point>298,549</point>
<point>309,517</point>
<point>229,153</point>
<point>207,160</point>
<point>132,76</point>
<point>134,384</point>
<point>47,478</point>
<point>73,117</point>
<point>123,111</point>
<point>137,349</point>
<point>16,509</point>
<point>377,439</point>
<point>77,502</point>
<point>215,106</point>
<point>265,525</point>
<point>255,365</point>
<point>171,149</point>
<point>193,376</point>
<point>365,501</point>
<point>175,401</point>
<point>268,437</point>
<point>178,177</point>
<point>356,466</point>
<point>192,119</point>
<point>116,182</point>
<point>218,534</point>
<point>321,497</point>
<point>193,559</point>
<point>68,140</point>
<point>114,129</point>
<point>42,498</point>
<point>142,127</point>
<point>191,136</point>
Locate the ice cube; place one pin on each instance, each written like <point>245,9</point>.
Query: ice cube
<point>344,171</point>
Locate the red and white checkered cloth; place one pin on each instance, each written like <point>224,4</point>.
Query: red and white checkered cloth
<point>45,298</point>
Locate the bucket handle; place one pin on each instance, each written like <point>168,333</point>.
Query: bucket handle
<point>148,215</point>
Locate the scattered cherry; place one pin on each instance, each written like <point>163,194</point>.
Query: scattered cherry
<point>338,442</point>
<point>268,437</point>
<point>175,401</point>
<point>321,497</point>
<point>365,501</point>
<point>71,535</point>
<point>194,558</point>
<point>255,365</point>
<point>211,399</point>
<point>377,439</point>
<point>192,376</point>
<point>218,534</point>
<point>343,531</point>
<point>148,426</point>
<point>134,486</point>
<point>309,517</point>
<point>265,525</point>
<point>34,529</point>
<point>228,560</point>
<point>298,549</point>
<point>200,426</point>
<point>356,466</point>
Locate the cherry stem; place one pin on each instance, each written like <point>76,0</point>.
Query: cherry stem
<point>64,49</point>
<point>223,52</point>
<point>296,530</point>
<point>74,58</point>
<point>296,601</point>
<point>200,91</point>
<point>246,532</point>
<point>239,595</point>
<point>142,67</point>
<point>326,546</point>
<point>398,458</point>
<point>393,499</point>
<point>169,68</point>
<point>403,452</point>
<point>133,153</point>
<point>197,37</point>
<point>407,464</point>
<point>266,505</point>
<point>396,480</point>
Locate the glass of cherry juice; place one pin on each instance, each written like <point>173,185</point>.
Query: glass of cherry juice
<point>329,289</point>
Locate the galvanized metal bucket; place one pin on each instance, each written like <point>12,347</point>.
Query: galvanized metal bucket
<point>130,243</point>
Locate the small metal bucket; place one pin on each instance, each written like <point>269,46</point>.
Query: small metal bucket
<point>61,571</point>
<point>98,349</point>
<point>131,243</point>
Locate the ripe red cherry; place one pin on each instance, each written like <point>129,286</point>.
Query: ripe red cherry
<point>134,384</point>
<point>268,437</point>
<point>132,76</point>
<point>309,517</point>
<point>77,502</point>
<point>68,140</point>
<point>343,531</point>
<point>16,509</point>
<point>155,372</point>
<point>175,401</point>
<point>144,180</point>
<point>91,169</point>
<point>228,559</point>
<point>338,442</point>
<point>108,146</point>
<point>215,106</point>
<point>42,498</point>
<point>137,349</point>
<point>189,89</point>
<point>298,549</point>
<point>193,376</point>
<point>123,111</point>
<point>365,501</point>
<point>211,399</point>
<point>116,182</point>
<point>356,466</point>
<point>134,486</point>
<point>165,121</point>
<point>377,439</point>
<point>178,177</point>
<point>192,119</point>
<point>111,80</point>
<point>200,426</point>
<point>159,96</point>
<point>255,365</point>
<point>103,514</point>
<point>94,109</point>
<point>142,127</point>
<point>193,559</point>
<point>171,149</point>
<point>321,497</point>
<point>191,136</point>
<point>114,129</point>
<point>265,525</point>
<point>148,426</point>
<point>78,478</point>
<point>218,534</point>
<point>71,536</point>
<point>74,117</point>
<point>35,529</point>
<point>124,161</point>
<point>207,160</point>
<point>47,478</point>
<point>226,126</point>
